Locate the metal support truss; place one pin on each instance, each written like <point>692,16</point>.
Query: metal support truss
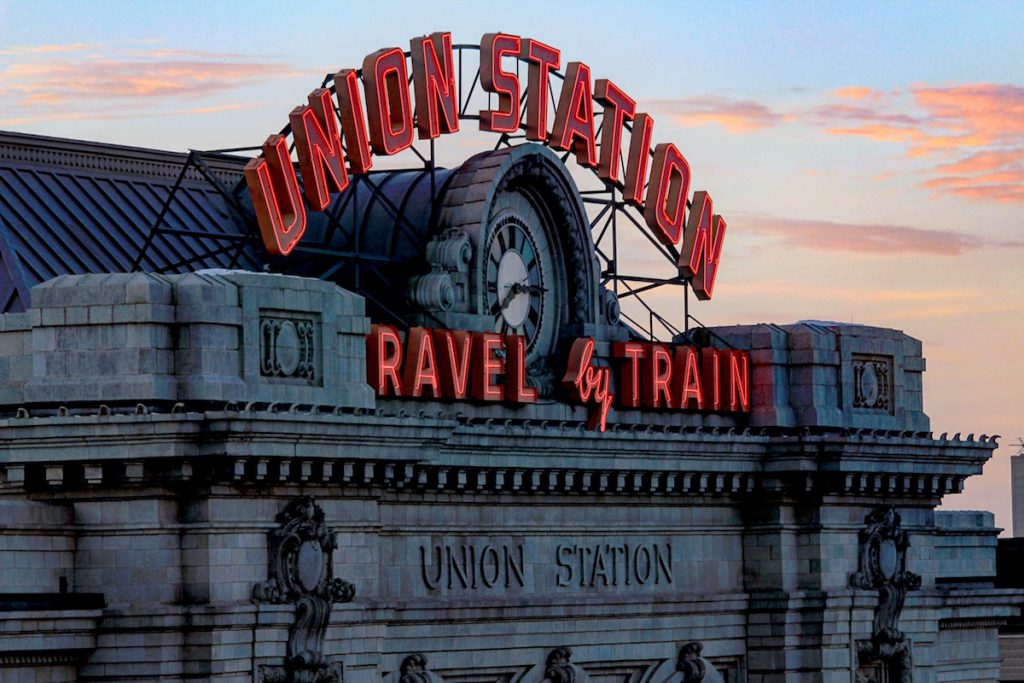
<point>614,223</point>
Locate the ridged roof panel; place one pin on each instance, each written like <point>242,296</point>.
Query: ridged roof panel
<point>68,206</point>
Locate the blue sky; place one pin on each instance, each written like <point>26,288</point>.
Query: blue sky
<point>869,156</point>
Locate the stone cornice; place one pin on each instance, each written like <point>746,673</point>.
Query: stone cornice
<point>453,453</point>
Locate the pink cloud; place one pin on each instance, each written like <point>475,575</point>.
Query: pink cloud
<point>854,93</point>
<point>736,116</point>
<point>979,125</point>
<point>116,84</point>
<point>879,131</point>
<point>49,49</point>
<point>984,161</point>
<point>866,237</point>
<point>990,110</point>
<point>828,114</point>
<point>115,113</point>
<point>54,83</point>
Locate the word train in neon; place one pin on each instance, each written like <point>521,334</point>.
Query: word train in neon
<point>488,367</point>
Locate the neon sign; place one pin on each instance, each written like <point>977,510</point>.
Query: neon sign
<point>488,367</point>
<point>386,126</point>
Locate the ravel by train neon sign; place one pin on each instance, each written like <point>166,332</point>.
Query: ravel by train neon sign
<point>387,123</point>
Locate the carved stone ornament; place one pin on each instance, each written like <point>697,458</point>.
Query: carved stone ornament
<point>413,669</point>
<point>300,573</point>
<point>557,667</point>
<point>871,380</point>
<point>287,348</point>
<point>883,567</point>
<point>444,287</point>
<point>690,664</point>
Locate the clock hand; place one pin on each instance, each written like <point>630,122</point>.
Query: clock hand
<point>511,294</point>
<point>517,288</point>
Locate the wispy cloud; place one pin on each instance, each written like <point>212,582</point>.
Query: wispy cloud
<point>973,133</point>
<point>120,114</point>
<point>855,92</point>
<point>861,293</point>
<point>49,49</point>
<point>55,83</point>
<point>152,81</point>
<point>980,126</point>
<point>865,237</point>
<point>736,116</point>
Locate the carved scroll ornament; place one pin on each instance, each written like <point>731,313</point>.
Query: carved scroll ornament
<point>883,567</point>
<point>301,574</point>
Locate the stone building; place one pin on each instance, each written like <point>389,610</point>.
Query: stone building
<point>198,481</point>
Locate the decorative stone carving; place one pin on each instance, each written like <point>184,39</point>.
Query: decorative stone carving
<point>287,348</point>
<point>300,573</point>
<point>413,669</point>
<point>434,291</point>
<point>883,559</point>
<point>872,383</point>
<point>557,667</point>
<point>448,256</point>
<point>690,664</point>
<point>450,251</point>
<point>612,308</point>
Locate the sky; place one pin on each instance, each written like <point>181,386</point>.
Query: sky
<point>868,156</point>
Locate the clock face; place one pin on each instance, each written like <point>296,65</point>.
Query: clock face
<point>518,278</point>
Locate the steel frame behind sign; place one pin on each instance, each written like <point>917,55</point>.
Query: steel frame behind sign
<point>607,212</point>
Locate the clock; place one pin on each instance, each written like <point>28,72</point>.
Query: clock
<point>519,277</point>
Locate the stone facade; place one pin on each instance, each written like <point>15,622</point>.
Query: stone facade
<point>194,474</point>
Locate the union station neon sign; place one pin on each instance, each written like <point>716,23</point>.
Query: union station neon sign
<point>337,135</point>
<point>385,125</point>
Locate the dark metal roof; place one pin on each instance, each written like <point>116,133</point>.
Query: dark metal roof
<point>68,206</point>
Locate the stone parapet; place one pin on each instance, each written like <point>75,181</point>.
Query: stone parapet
<point>826,374</point>
<point>210,337</point>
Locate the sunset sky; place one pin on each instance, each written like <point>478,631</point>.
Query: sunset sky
<point>869,157</point>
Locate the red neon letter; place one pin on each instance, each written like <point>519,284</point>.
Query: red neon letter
<point>618,108</point>
<point>574,117</point>
<point>453,361</point>
<point>629,372</point>
<point>486,365</point>
<point>657,377</point>
<point>516,389</point>
<point>665,208</point>
<point>687,383</point>
<point>318,144</point>
<point>543,58</point>
<point>494,46</point>
<point>434,83</point>
<point>711,371</point>
<point>589,384</point>
<point>353,123</point>
<point>420,369</point>
<point>383,358</point>
<point>275,196</point>
<point>702,246</point>
<point>739,381</point>
<point>387,101</point>
<point>636,163</point>
<point>574,379</point>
